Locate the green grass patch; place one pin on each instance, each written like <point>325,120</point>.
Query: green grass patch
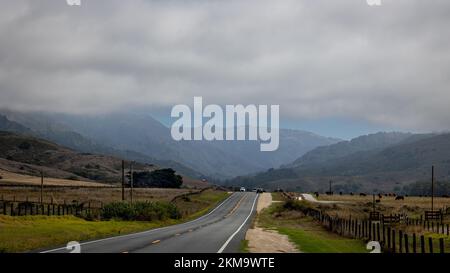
<point>308,235</point>
<point>243,246</point>
<point>315,241</point>
<point>278,196</point>
<point>24,233</point>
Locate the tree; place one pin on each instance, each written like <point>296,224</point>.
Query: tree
<point>163,178</point>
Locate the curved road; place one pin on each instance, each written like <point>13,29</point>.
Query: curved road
<point>219,231</point>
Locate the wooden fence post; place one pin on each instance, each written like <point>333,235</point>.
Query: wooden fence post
<point>422,243</point>
<point>430,244</point>
<point>393,242</point>
<point>378,232</point>
<point>406,243</point>
<point>400,241</point>
<point>389,237</point>
<point>414,243</point>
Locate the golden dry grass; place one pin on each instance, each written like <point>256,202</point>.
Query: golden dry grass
<point>94,195</point>
<point>359,206</point>
<point>9,178</point>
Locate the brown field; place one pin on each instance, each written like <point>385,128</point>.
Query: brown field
<point>82,194</point>
<point>360,206</point>
<point>9,178</point>
<point>22,187</point>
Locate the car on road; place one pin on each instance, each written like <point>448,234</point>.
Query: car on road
<point>242,189</point>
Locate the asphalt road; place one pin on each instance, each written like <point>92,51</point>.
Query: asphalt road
<point>219,231</point>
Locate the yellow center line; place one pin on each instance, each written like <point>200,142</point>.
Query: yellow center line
<point>236,206</point>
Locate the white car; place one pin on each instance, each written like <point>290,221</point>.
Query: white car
<point>242,189</point>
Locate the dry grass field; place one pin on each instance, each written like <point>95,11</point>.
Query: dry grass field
<point>9,178</point>
<point>22,187</point>
<point>85,194</point>
<point>360,206</point>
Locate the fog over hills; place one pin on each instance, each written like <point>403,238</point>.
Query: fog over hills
<point>145,136</point>
<point>377,162</point>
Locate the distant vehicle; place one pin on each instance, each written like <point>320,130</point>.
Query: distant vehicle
<point>254,190</point>
<point>242,189</point>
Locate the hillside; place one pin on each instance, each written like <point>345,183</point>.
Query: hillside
<point>387,168</point>
<point>42,127</point>
<point>36,153</point>
<point>143,135</point>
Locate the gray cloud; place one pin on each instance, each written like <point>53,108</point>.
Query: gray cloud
<point>386,65</point>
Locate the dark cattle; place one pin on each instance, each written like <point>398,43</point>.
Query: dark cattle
<point>378,200</point>
<point>380,195</point>
<point>340,193</point>
<point>399,197</point>
<point>316,194</point>
<point>362,194</point>
<point>351,193</point>
<point>445,196</point>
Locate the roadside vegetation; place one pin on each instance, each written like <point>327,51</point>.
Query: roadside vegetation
<point>25,233</point>
<point>308,236</point>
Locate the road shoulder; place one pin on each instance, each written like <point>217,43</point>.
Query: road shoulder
<point>261,240</point>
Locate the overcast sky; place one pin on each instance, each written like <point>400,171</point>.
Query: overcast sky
<point>324,62</point>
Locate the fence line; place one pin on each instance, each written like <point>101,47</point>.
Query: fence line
<point>390,239</point>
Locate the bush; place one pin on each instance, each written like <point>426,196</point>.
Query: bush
<point>296,205</point>
<point>24,146</point>
<point>164,178</point>
<point>140,211</point>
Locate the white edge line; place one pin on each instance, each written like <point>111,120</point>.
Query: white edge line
<point>142,232</point>
<point>237,231</point>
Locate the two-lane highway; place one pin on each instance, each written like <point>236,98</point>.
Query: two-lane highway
<point>219,231</point>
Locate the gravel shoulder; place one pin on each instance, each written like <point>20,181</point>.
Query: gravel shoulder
<point>267,241</point>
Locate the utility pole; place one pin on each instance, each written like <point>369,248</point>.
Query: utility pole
<point>432,188</point>
<point>42,187</point>
<point>131,182</point>
<point>123,180</point>
<point>373,202</point>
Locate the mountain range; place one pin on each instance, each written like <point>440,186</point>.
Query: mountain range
<point>376,162</point>
<point>142,138</point>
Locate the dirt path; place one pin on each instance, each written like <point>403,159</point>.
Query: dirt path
<point>267,241</point>
<point>308,197</point>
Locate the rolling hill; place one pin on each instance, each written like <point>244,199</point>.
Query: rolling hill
<point>378,162</point>
<point>23,157</point>
<point>142,136</point>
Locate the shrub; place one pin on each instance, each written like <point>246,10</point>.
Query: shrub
<point>164,178</point>
<point>296,205</point>
<point>24,146</point>
<point>141,211</point>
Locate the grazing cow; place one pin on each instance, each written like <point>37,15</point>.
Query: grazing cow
<point>399,197</point>
<point>445,196</point>
<point>378,201</point>
<point>340,193</point>
<point>351,193</point>
<point>316,194</point>
<point>380,195</point>
<point>362,194</point>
